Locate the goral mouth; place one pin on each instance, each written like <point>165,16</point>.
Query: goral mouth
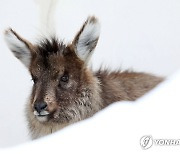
<point>42,113</point>
<point>42,116</point>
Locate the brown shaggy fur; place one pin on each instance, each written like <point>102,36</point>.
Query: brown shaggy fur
<point>63,81</point>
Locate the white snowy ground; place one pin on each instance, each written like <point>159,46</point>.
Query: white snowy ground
<point>137,34</point>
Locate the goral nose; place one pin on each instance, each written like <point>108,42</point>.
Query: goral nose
<point>40,106</point>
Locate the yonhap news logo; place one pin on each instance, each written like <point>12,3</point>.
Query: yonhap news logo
<point>147,142</point>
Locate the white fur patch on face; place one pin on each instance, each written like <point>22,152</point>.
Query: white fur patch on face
<point>42,118</point>
<point>18,47</point>
<point>36,113</point>
<point>88,38</point>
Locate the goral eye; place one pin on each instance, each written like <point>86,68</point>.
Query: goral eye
<point>65,78</point>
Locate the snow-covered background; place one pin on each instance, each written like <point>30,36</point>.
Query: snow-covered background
<point>143,35</point>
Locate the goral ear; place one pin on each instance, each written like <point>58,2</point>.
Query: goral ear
<point>21,48</point>
<point>86,39</point>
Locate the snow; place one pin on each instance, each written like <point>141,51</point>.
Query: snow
<point>140,35</point>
